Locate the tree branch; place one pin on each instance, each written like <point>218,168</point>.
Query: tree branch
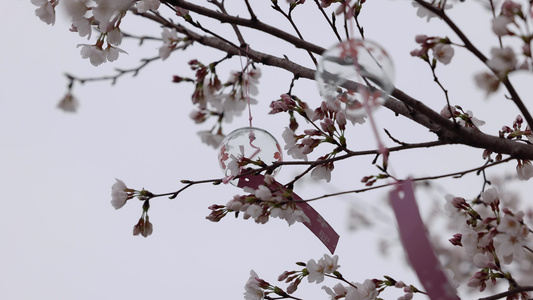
<point>514,291</point>
<point>456,174</point>
<point>251,23</point>
<point>514,95</point>
<point>447,130</point>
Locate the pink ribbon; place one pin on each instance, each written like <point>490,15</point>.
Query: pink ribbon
<point>416,243</point>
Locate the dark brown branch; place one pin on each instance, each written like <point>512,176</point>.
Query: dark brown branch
<point>514,291</point>
<point>330,22</point>
<point>235,27</point>
<point>251,23</point>
<point>250,10</point>
<point>453,133</point>
<point>514,95</point>
<point>120,73</point>
<point>290,19</point>
<point>447,130</point>
<point>456,174</point>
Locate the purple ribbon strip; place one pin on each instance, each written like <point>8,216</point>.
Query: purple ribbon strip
<point>416,244</point>
<point>318,225</point>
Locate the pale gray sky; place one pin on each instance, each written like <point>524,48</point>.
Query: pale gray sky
<point>61,239</point>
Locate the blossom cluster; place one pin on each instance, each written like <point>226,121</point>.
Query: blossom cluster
<point>171,42</point>
<point>225,100</point>
<point>120,194</point>
<point>106,16</point>
<point>331,116</point>
<point>441,48</point>
<point>490,239</point>
<point>329,121</point>
<point>268,200</point>
<point>464,118</point>
<point>512,22</point>
<point>423,12</point>
<point>317,271</point>
<point>524,167</point>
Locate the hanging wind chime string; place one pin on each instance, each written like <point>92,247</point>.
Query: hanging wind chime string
<point>246,89</point>
<point>246,79</point>
<point>410,225</point>
<point>384,151</point>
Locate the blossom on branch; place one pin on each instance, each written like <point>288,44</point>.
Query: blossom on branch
<point>253,290</point>
<point>170,38</point>
<point>146,5</point>
<point>487,82</point>
<point>499,26</point>
<point>120,193</point>
<point>423,12</point>
<point>364,291</point>
<point>524,169</point>
<point>325,265</point>
<point>502,61</point>
<point>143,227</point>
<point>443,53</point>
<point>46,11</point>
<point>322,171</point>
<point>442,50</point>
<point>68,103</point>
<point>108,12</point>
<point>339,291</point>
<point>511,238</point>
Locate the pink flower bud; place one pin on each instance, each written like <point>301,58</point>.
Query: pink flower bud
<point>421,38</point>
<point>456,240</point>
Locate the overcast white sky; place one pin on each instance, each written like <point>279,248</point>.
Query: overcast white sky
<point>61,239</point>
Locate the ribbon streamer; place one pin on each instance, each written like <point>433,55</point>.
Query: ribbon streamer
<point>416,243</point>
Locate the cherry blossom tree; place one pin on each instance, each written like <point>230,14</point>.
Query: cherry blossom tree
<point>487,229</point>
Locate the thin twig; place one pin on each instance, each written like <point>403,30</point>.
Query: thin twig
<point>288,16</point>
<point>330,22</point>
<point>514,291</point>
<point>510,88</point>
<point>222,8</point>
<point>250,10</point>
<point>455,175</point>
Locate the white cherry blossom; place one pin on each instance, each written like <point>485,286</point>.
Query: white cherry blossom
<point>316,271</point>
<point>503,60</point>
<point>423,12</point>
<point>321,172</point>
<point>330,263</point>
<point>499,25</point>
<point>252,289</point>
<point>45,11</point>
<point>68,103</point>
<point>263,193</point>
<point>524,170</point>
<point>443,53</point>
<point>111,53</point>
<point>469,239</point>
<point>114,37</point>
<point>119,194</point>
<point>292,148</point>
<point>365,291</point>
<point>487,82</point>
<point>254,211</point>
<point>94,53</point>
<point>210,139</point>
<point>146,5</point>
<point>338,292</point>
<point>108,11</point>
<point>82,26</point>
<point>490,195</point>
